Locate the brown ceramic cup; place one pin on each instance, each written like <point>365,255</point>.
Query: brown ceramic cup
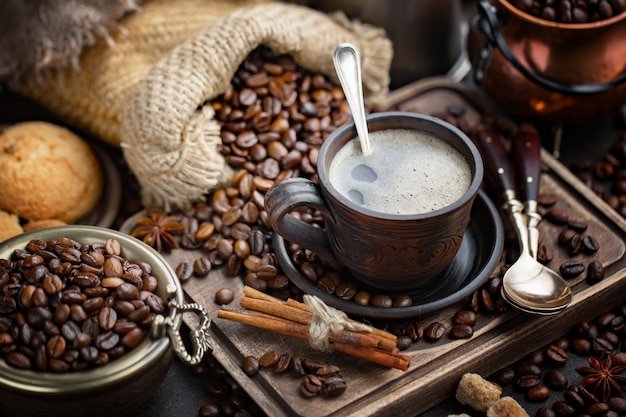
<point>385,251</point>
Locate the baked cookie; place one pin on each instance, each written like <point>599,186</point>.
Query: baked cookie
<point>9,225</point>
<point>47,172</point>
<point>42,224</point>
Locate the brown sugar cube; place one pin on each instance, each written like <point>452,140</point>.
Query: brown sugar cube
<point>9,225</point>
<point>506,407</point>
<point>477,392</point>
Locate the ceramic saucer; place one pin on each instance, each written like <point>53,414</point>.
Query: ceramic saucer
<point>476,259</point>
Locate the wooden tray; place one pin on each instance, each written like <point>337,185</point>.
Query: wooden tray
<point>499,339</point>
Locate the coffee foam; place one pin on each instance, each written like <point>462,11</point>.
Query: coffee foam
<point>414,172</point>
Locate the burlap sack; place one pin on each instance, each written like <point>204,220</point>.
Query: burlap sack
<point>143,94</point>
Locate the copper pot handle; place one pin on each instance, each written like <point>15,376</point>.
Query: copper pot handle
<point>489,25</point>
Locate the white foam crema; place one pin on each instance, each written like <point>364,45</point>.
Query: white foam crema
<point>409,172</point>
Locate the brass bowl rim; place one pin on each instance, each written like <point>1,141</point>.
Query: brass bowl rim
<point>132,363</point>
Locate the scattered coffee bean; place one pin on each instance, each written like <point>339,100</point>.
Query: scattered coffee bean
<point>435,331</point>
<point>595,272</point>
<point>556,379</point>
<point>571,269</point>
<point>250,365</point>
<point>537,393</point>
<point>224,296</point>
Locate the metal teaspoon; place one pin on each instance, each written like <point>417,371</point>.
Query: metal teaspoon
<point>347,63</point>
<point>527,284</point>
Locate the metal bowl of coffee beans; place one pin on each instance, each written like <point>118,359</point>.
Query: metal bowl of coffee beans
<point>89,322</point>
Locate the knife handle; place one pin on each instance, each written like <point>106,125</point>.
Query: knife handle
<point>496,162</point>
<point>527,161</point>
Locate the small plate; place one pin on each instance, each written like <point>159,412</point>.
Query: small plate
<point>476,259</point>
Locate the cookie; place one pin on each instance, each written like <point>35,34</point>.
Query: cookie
<point>42,224</point>
<point>9,225</point>
<point>48,172</point>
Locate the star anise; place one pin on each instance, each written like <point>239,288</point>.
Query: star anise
<point>158,229</point>
<point>602,378</point>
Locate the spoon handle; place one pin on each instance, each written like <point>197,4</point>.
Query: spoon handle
<point>347,63</point>
<point>501,174</point>
<point>527,160</point>
<point>496,161</point>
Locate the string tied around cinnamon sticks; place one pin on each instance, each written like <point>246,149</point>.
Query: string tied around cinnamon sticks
<point>326,319</point>
<point>293,318</point>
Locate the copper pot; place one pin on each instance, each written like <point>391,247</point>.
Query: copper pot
<point>548,71</point>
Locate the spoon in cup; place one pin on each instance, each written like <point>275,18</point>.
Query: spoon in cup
<point>527,284</point>
<point>347,61</point>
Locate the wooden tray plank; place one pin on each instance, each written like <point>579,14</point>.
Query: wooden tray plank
<point>435,367</point>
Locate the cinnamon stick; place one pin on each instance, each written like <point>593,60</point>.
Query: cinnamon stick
<point>390,359</point>
<point>252,293</point>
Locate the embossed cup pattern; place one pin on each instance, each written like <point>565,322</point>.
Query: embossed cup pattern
<point>385,251</point>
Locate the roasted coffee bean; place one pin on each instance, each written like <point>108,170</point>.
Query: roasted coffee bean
<point>415,330</point>
<point>333,386</point>
<point>486,301</point>
<point>310,385</point>
<point>250,365</point>
<point>581,346</point>
<point>557,216</point>
<point>296,366</point>
<point>435,331</point>
<point>536,357</point>
<point>381,300</point>
<point>563,409</point>
<point>224,296</point>
<point>465,317</point>
<point>595,271</point>
<point>345,290</point>
<point>402,301</point>
<point>201,267</point>
<point>571,269</point>
<point>404,342</point>
<point>527,368</point>
<point>504,376</point>
<point>282,365</point>
<point>18,360</point>
<point>566,236</point>
<point>461,331</point>
<point>556,355</point>
<point>589,245</point>
<point>556,379</point>
<point>600,346</point>
<point>524,382</point>
<point>538,393</point>
<point>268,359</point>
<point>597,408</point>
<point>546,199</point>
<point>617,404</point>
<point>545,412</point>
<point>362,298</point>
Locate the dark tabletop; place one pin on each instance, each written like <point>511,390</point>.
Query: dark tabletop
<point>182,393</point>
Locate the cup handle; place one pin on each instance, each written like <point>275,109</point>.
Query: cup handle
<point>289,195</point>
